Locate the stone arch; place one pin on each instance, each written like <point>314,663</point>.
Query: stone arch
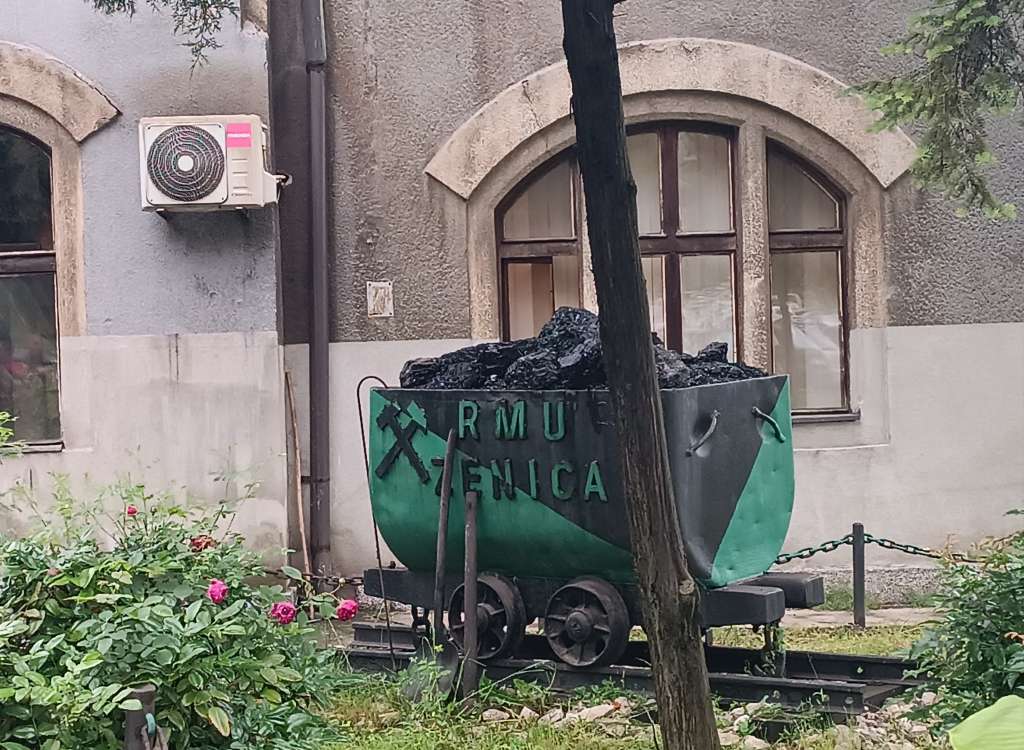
<point>711,66</point>
<point>33,77</point>
<point>47,100</point>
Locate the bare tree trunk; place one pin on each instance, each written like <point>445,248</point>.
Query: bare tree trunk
<point>669,594</point>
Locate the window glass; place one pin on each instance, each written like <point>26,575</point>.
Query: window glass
<point>530,298</point>
<point>806,326</point>
<point>565,270</point>
<point>28,355</point>
<point>645,163</point>
<point>795,200</point>
<point>24,191</point>
<point>545,210</point>
<point>707,301</point>
<point>654,276</point>
<point>705,183</point>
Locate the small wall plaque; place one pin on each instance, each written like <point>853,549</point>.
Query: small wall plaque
<point>380,299</point>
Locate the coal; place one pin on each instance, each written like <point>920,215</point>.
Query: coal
<point>537,371</point>
<point>566,354</point>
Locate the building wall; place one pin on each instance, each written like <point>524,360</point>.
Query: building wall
<point>177,379</point>
<point>404,77</point>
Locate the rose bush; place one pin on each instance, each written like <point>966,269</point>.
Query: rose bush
<point>81,623</point>
<point>974,654</point>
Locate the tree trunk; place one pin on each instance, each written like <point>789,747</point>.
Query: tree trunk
<point>668,592</point>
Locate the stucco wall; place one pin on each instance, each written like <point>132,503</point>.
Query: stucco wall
<point>178,378</point>
<point>197,414</point>
<point>940,463</point>
<point>405,76</point>
<point>145,275</point>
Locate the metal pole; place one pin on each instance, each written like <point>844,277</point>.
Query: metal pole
<point>859,614</point>
<point>470,668</point>
<point>135,721</point>
<point>442,538</point>
<point>319,335</point>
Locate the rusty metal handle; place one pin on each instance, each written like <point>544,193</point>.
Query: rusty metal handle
<point>707,433</point>
<point>780,436</point>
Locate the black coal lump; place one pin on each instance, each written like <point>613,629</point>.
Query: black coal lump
<point>566,354</point>
<point>537,371</point>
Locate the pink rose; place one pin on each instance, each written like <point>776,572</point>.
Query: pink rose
<point>347,610</point>
<point>202,542</point>
<point>283,612</point>
<point>131,510</point>
<point>217,591</point>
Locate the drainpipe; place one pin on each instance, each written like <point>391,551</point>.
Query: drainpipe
<point>315,41</point>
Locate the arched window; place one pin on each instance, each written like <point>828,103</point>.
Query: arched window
<point>687,215</point>
<point>28,319</point>
<point>807,241</point>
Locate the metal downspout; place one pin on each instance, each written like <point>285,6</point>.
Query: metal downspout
<point>314,37</point>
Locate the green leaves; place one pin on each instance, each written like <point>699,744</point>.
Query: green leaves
<point>969,67</point>
<point>974,655</point>
<point>72,641</point>
<point>219,718</point>
<point>199,21</point>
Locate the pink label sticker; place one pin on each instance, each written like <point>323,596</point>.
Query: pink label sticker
<point>239,135</point>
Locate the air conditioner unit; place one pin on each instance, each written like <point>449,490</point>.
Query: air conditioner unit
<point>205,163</point>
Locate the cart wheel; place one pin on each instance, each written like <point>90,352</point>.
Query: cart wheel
<point>500,617</point>
<point>587,623</point>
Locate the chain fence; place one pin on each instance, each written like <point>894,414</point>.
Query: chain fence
<point>911,549</point>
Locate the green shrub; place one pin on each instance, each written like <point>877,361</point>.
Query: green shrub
<point>81,623</point>
<point>974,655</point>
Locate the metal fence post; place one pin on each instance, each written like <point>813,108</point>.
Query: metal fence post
<point>470,668</point>
<point>135,721</point>
<point>859,613</point>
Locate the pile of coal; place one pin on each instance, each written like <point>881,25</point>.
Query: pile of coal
<point>566,354</point>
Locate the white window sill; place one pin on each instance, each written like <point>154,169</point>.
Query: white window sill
<point>55,446</point>
<point>836,418</point>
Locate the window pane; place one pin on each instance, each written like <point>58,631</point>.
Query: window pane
<point>24,191</point>
<point>654,275</point>
<point>645,162</point>
<point>28,355</point>
<point>707,301</point>
<point>795,200</point>
<point>705,183</point>
<point>530,298</point>
<point>806,324</point>
<point>545,210</point>
<point>566,273</point>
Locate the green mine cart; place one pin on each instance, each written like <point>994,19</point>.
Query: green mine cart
<point>552,530</point>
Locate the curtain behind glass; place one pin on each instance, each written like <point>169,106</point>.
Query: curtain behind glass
<point>806,327</point>
<point>795,201</point>
<point>545,210</point>
<point>705,183</point>
<point>645,162</point>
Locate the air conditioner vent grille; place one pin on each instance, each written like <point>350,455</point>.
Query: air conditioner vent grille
<point>186,163</point>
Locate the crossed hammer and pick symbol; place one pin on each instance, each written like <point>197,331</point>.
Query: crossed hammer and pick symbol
<point>388,419</point>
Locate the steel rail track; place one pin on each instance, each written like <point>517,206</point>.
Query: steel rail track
<point>837,686</point>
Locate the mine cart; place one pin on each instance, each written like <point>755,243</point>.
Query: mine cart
<point>552,531</point>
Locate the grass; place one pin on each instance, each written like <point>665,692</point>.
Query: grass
<point>377,717</point>
<point>840,599</point>
<point>884,640</point>
<point>374,714</point>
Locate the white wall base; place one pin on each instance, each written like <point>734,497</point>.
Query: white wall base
<point>202,412</point>
<point>937,454</point>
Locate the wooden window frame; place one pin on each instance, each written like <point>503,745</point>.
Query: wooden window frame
<point>672,245</point>
<point>813,241</point>
<point>24,258</point>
